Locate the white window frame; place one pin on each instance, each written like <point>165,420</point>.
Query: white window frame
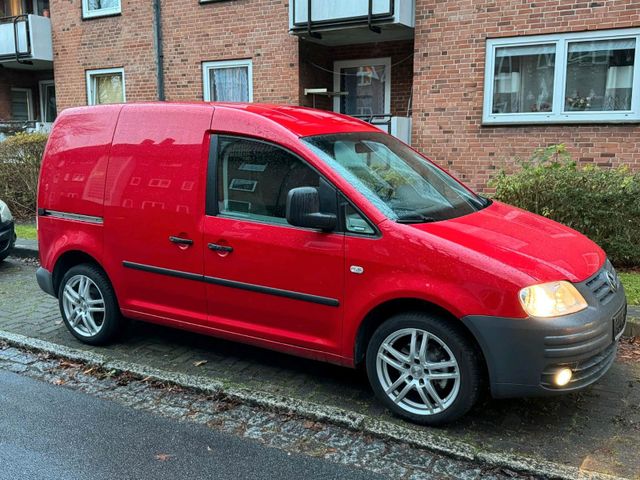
<point>41,90</point>
<point>558,114</point>
<point>103,12</point>
<point>362,62</point>
<point>207,67</point>
<point>103,71</point>
<point>29,102</point>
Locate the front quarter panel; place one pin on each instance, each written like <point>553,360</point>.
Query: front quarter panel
<point>405,263</point>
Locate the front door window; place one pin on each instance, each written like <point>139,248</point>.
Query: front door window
<point>366,86</point>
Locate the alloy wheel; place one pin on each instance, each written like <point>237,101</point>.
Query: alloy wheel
<point>418,371</point>
<point>84,305</point>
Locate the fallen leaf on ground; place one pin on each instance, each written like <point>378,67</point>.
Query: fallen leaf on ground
<point>629,349</point>
<point>199,363</point>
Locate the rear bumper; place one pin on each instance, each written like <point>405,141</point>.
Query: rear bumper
<point>523,354</point>
<point>45,281</point>
<point>7,238</point>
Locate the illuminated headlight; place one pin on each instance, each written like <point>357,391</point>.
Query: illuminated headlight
<point>5,213</point>
<point>551,299</point>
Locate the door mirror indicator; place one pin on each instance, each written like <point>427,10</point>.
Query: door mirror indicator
<point>303,210</point>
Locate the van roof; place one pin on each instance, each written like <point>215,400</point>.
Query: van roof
<point>301,121</point>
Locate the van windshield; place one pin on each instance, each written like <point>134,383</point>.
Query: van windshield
<point>403,185</point>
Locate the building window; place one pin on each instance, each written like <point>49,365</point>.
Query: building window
<point>48,109</point>
<point>566,78</point>
<point>105,86</point>
<point>100,8</point>
<point>21,104</point>
<point>367,84</point>
<point>228,81</point>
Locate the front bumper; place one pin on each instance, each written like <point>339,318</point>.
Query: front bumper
<point>7,238</point>
<point>523,354</point>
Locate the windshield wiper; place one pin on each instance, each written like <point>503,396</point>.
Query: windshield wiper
<point>415,218</point>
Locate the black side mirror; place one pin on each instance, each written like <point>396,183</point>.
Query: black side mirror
<point>303,210</point>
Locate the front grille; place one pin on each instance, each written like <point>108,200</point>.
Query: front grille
<point>604,284</point>
<point>584,372</point>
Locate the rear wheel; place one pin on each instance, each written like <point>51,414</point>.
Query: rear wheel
<point>88,305</point>
<point>423,368</point>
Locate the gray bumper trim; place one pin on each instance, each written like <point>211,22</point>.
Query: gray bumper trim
<point>45,281</point>
<point>523,353</point>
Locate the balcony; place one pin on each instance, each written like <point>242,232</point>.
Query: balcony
<point>25,42</point>
<point>339,22</point>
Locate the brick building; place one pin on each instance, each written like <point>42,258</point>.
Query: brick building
<point>27,91</point>
<point>471,83</point>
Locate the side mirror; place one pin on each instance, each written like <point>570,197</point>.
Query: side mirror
<point>303,210</point>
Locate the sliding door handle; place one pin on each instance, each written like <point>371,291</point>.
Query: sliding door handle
<point>181,241</point>
<point>220,248</point>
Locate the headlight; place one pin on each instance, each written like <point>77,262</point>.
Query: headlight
<point>551,299</point>
<point>5,213</point>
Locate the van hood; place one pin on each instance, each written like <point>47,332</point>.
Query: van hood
<point>541,248</point>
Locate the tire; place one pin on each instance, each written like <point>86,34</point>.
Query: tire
<point>410,379</point>
<point>80,309</point>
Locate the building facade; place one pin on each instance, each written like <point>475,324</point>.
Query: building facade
<point>473,84</point>
<point>27,89</point>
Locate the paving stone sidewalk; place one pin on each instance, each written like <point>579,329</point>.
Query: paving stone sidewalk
<point>596,430</point>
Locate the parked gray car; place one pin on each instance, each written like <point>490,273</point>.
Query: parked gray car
<point>7,231</point>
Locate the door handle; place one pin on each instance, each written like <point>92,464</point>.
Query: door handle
<point>220,248</point>
<point>180,240</point>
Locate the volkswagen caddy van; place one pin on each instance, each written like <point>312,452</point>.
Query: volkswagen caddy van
<point>318,235</point>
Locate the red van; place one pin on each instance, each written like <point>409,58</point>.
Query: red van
<point>318,235</point>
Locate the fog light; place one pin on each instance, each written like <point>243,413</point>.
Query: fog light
<point>563,377</point>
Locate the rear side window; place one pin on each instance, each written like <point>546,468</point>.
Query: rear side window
<point>254,179</point>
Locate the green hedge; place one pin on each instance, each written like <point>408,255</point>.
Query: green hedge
<point>602,203</point>
<point>20,157</point>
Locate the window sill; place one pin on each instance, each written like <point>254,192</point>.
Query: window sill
<point>559,123</point>
<point>100,16</point>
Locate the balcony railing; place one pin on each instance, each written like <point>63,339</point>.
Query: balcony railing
<point>380,19</point>
<point>25,40</point>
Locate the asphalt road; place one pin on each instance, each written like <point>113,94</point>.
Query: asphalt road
<point>49,432</point>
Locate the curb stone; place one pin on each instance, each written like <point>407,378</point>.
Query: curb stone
<point>428,439</point>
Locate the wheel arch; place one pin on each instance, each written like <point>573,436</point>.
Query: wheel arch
<point>382,312</point>
<point>70,259</point>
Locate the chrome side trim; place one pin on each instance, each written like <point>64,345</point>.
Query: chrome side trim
<point>78,217</point>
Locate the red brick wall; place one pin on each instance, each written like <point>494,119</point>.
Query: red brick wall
<point>121,41</point>
<point>449,82</point>
<point>193,33</point>
<point>251,29</point>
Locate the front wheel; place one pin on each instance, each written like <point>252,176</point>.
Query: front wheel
<point>88,305</point>
<point>423,368</point>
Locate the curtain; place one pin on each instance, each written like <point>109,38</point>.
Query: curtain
<point>12,8</point>
<point>100,4</point>
<point>107,89</point>
<point>229,84</point>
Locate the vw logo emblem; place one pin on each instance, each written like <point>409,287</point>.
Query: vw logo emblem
<point>612,281</point>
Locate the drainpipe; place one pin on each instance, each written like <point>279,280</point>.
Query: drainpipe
<point>157,13</point>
